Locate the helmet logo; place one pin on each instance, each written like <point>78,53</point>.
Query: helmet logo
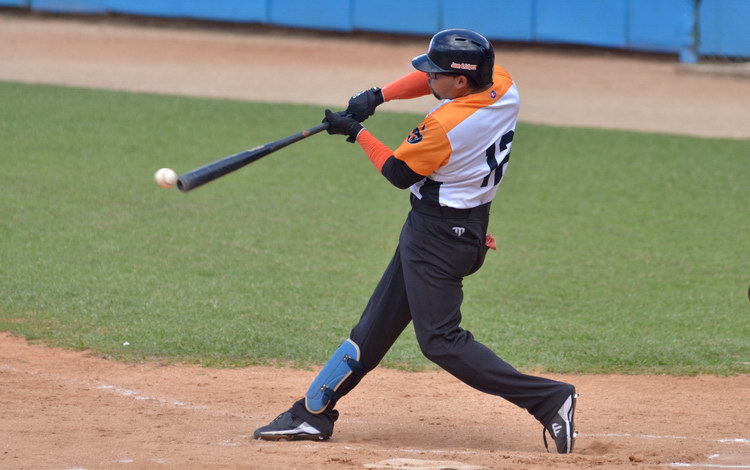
<point>415,136</point>
<point>456,65</point>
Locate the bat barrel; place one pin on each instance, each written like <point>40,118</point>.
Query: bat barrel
<point>205,174</point>
<point>200,176</point>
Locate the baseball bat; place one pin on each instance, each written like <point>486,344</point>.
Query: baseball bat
<point>207,173</point>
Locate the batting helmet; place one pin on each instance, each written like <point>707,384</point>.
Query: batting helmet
<point>460,51</point>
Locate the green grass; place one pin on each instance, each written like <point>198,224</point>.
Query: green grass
<point>618,251</point>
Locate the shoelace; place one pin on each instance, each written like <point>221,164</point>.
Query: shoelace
<point>544,438</point>
<point>277,418</point>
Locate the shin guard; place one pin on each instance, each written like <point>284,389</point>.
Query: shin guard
<point>343,363</point>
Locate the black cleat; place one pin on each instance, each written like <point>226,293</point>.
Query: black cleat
<point>561,428</point>
<point>287,427</point>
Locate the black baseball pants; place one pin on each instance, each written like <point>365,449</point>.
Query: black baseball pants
<point>437,248</point>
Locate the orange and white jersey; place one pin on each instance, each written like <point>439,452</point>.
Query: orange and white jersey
<point>462,147</point>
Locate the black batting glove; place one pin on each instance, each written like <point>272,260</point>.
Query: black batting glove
<point>363,104</point>
<point>343,124</point>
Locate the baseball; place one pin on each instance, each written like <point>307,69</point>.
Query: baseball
<point>165,177</point>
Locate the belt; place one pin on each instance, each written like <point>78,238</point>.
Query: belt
<point>478,212</point>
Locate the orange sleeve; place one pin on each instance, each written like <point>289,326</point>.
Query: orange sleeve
<point>426,148</point>
<point>412,85</point>
<point>376,150</point>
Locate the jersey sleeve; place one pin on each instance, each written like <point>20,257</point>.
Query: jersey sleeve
<point>412,85</point>
<point>426,148</point>
<point>396,171</point>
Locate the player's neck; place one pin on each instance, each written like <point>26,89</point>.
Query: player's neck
<point>474,91</point>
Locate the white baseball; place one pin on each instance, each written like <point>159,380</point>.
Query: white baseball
<point>165,177</point>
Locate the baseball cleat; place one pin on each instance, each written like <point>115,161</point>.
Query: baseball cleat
<point>561,428</point>
<point>287,427</point>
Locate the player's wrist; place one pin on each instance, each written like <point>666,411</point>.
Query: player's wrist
<point>354,131</point>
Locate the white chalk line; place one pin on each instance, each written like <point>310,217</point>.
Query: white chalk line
<point>725,440</point>
<point>703,465</point>
<point>420,451</point>
<point>124,392</point>
<point>416,464</point>
<point>729,440</point>
<point>135,395</point>
<point>128,393</point>
<point>467,452</point>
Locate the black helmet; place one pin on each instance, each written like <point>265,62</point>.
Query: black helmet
<point>459,51</point>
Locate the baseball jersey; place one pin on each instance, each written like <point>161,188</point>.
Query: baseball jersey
<point>463,146</point>
<point>460,151</point>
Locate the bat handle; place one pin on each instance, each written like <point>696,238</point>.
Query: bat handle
<point>314,130</point>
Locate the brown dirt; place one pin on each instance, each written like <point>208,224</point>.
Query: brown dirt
<point>582,88</point>
<point>65,410</point>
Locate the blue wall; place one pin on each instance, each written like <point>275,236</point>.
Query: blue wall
<point>329,14</point>
<point>69,6</point>
<point>598,23</point>
<point>661,25</point>
<point>250,11</point>
<point>397,16</point>
<point>507,20</point>
<point>725,27</point>
<point>244,11</point>
<point>648,25</point>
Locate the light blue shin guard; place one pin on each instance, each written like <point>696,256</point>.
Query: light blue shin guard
<point>343,362</point>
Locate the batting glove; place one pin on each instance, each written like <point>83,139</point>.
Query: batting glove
<point>343,124</point>
<point>363,104</point>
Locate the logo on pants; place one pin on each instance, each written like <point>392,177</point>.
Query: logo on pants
<point>458,230</point>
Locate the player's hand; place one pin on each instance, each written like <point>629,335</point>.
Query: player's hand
<point>490,242</point>
<point>362,105</point>
<point>343,124</point>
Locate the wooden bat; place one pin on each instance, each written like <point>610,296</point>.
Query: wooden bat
<point>207,173</point>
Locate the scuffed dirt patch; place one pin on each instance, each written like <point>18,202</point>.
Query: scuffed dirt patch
<point>63,409</point>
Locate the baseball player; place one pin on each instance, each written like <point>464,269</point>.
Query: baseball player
<point>452,163</point>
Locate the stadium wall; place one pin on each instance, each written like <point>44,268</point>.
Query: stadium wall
<point>667,26</point>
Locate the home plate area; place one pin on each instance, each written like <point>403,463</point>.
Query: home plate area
<point>416,464</point>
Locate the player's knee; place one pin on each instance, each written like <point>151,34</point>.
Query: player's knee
<point>438,346</point>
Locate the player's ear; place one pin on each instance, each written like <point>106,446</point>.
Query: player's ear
<point>462,82</point>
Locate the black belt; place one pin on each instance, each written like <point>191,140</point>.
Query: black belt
<point>478,212</point>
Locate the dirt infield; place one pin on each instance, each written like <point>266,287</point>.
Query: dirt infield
<point>66,410</point>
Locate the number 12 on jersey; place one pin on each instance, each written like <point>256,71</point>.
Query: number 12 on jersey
<point>493,152</point>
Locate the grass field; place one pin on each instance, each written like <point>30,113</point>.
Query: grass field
<point>617,251</point>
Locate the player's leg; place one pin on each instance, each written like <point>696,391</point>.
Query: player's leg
<point>435,261</point>
<point>384,318</point>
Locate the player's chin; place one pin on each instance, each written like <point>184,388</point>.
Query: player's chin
<point>434,93</point>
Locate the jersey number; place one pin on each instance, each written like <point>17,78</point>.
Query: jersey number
<point>501,146</point>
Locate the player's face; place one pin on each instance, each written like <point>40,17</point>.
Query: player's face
<point>443,85</point>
